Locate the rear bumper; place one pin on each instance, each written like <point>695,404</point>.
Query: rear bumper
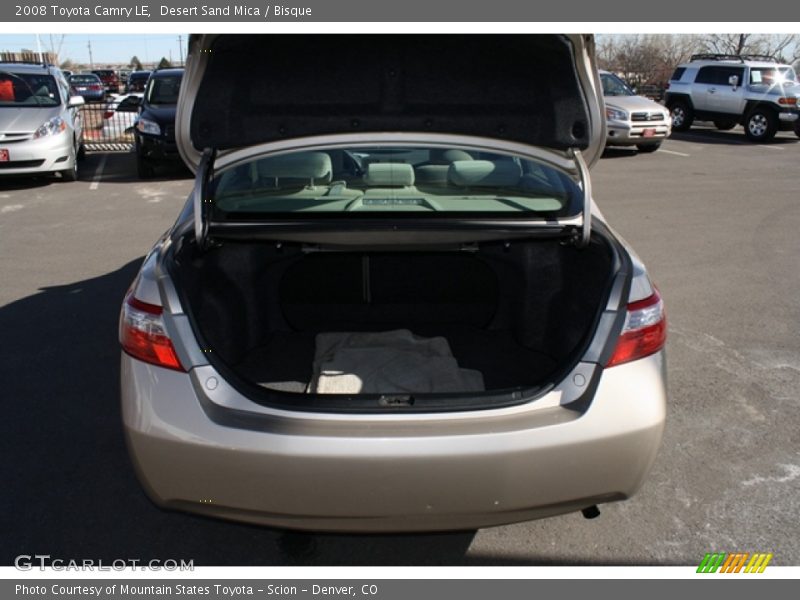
<point>33,157</point>
<point>365,473</point>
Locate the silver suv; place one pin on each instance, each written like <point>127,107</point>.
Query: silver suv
<point>753,91</point>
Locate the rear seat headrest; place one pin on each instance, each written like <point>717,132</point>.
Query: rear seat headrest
<point>465,173</point>
<point>300,166</point>
<point>445,157</point>
<point>389,175</point>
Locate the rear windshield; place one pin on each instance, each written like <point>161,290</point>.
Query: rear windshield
<point>163,90</point>
<point>409,181</point>
<point>25,89</point>
<point>84,79</point>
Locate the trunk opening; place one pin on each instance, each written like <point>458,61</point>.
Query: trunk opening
<point>520,313</point>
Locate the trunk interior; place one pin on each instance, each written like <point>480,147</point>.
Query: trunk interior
<point>517,312</point>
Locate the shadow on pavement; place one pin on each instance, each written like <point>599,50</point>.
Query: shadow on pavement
<point>69,489</point>
<point>733,137</point>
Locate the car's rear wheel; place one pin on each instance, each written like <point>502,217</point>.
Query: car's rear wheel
<point>725,125</point>
<point>682,115</point>
<point>797,128</point>
<point>648,147</point>
<point>761,125</point>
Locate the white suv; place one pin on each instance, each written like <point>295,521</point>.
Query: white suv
<point>754,91</point>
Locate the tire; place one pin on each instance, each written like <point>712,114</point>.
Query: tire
<point>761,125</point>
<point>682,115</point>
<point>724,125</point>
<point>797,128</point>
<point>144,168</point>
<point>648,147</point>
<point>71,174</point>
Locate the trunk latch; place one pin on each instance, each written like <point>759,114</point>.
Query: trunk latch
<point>396,400</point>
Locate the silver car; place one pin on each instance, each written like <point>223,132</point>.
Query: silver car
<point>390,302</point>
<point>633,120</point>
<point>41,130</point>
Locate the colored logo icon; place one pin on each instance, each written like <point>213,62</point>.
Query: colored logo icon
<point>737,562</point>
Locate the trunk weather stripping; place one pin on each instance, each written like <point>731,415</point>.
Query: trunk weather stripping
<point>201,199</point>
<point>581,238</point>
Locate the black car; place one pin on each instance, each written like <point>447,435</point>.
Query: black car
<point>155,128</point>
<point>137,81</point>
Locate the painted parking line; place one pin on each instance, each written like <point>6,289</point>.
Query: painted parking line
<point>771,147</point>
<point>98,173</point>
<point>674,152</point>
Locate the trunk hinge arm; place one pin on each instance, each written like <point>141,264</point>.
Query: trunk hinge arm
<point>581,238</point>
<point>201,197</point>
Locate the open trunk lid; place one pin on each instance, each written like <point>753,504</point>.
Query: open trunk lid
<point>270,93</point>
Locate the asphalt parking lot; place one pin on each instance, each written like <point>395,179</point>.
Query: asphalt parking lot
<point>715,218</point>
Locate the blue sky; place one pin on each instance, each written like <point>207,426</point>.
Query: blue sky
<point>111,48</point>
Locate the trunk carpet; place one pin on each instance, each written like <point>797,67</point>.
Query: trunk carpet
<point>285,362</point>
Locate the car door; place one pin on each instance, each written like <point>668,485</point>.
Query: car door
<point>704,82</point>
<point>723,96</point>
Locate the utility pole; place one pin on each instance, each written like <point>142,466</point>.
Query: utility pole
<point>91,60</point>
<point>180,47</point>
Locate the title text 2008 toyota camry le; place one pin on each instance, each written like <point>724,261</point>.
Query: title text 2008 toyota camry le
<point>390,302</point>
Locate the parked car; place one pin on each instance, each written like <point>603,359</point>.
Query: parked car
<point>753,91</point>
<point>109,79</point>
<point>376,312</point>
<point>155,128</point>
<point>88,86</point>
<point>119,118</point>
<point>633,120</point>
<point>41,130</point>
<point>137,81</point>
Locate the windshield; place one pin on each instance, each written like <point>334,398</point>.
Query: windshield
<point>772,75</point>
<point>27,89</point>
<point>401,181</point>
<point>614,86</point>
<point>163,90</point>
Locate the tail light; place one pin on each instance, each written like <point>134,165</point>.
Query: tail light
<point>644,333</point>
<point>143,336</point>
<point>108,114</point>
<point>95,87</point>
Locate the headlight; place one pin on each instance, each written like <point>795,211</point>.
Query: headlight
<point>52,127</point>
<point>615,114</point>
<point>149,127</point>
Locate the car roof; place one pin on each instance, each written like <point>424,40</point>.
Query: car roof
<point>167,72</point>
<point>733,62</point>
<point>27,68</point>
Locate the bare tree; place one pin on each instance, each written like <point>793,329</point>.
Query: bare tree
<point>774,45</point>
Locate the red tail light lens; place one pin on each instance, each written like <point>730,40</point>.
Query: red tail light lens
<point>644,333</point>
<point>108,114</point>
<point>143,336</point>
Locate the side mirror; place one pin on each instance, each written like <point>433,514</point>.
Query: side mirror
<point>733,80</point>
<point>76,101</point>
